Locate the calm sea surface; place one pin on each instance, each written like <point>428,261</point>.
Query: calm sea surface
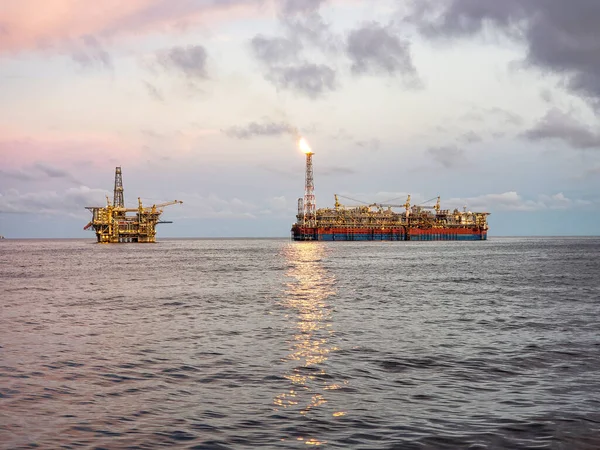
<point>274,344</point>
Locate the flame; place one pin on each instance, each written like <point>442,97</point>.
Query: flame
<point>304,146</point>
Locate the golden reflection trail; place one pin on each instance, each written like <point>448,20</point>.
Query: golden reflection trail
<point>305,299</point>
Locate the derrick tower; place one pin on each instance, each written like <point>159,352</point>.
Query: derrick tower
<point>309,193</point>
<point>118,201</point>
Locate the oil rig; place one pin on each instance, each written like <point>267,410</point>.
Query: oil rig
<point>112,224</point>
<point>379,222</point>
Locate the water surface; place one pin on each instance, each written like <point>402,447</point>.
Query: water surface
<point>274,344</point>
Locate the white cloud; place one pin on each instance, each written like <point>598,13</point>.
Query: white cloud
<point>211,206</point>
<point>512,201</point>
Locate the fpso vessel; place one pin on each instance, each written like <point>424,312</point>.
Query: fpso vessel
<point>378,222</point>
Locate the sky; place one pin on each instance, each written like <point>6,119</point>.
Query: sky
<point>490,105</point>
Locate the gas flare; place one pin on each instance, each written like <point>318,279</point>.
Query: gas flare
<point>304,146</point>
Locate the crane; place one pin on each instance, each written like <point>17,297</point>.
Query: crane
<point>153,208</point>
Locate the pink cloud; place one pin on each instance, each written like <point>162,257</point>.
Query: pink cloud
<point>32,24</point>
<point>18,150</point>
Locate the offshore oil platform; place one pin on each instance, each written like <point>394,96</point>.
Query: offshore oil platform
<point>112,224</point>
<point>379,222</point>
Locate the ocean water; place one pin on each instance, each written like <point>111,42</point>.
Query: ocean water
<point>273,344</point>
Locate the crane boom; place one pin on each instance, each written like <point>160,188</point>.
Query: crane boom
<point>161,205</point>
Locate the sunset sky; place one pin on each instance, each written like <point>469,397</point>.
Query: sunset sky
<point>490,104</point>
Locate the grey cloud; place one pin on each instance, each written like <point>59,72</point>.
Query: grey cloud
<point>303,28</point>
<point>32,174</point>
<point>471,137</point>
<point>342,134</point>
<point>558,125</point>
<point>508,116</point>
<point>52,172</point>
<point>371,144</point>
<point>302,20</point>
<point>276,50</point>
<point>312,80</point>
<point>475,116</point>
<point>17,175</point>
<point>154,92</point>
<point>190,60</point>
<point>254,129</point>
<point>546,95</point>
<point>448,156</point>
<point>90,52</point>
<point>562,37</point>
<point>70,202</point>
<point>374,49</point>
<point>479,115</point>
<point>301,6</point>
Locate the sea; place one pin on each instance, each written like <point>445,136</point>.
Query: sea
<point>268,343</point>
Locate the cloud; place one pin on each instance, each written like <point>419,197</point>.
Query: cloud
<point>19,174</point>
<point>370,144</point>
<point>281,56</point>
<point>373,48</point>
<point>448,156</point>
<point>213,206</point>
<point>90,52</point>
<point>52,172</point>
<point>18,150</point>
<point>562,37</point>
<point>478,114</point>
<point>291,7</point>
<point>55,26</point>
<point>38,172</point>
<point>470,138</point>
<point>267,128</point>
<point>70,202</point>
<point>302,20</point>
<point>558,125</point>
<point>509,117</point>
<point>312,80</point>
<point>154,92</point>
<point>546,95</point>
<point>512,201</point>
<point>273,51</point>
<point>190,61</point>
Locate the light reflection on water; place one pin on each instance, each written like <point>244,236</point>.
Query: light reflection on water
<point>308,290</point>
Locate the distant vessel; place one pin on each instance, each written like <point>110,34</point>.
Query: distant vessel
<point>112,224</point>
<point>378,222</point>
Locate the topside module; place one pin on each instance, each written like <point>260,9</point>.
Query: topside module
<point>379,222</point>
<point>112,224</point>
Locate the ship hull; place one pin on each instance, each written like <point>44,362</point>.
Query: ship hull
<point>392,234</point>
